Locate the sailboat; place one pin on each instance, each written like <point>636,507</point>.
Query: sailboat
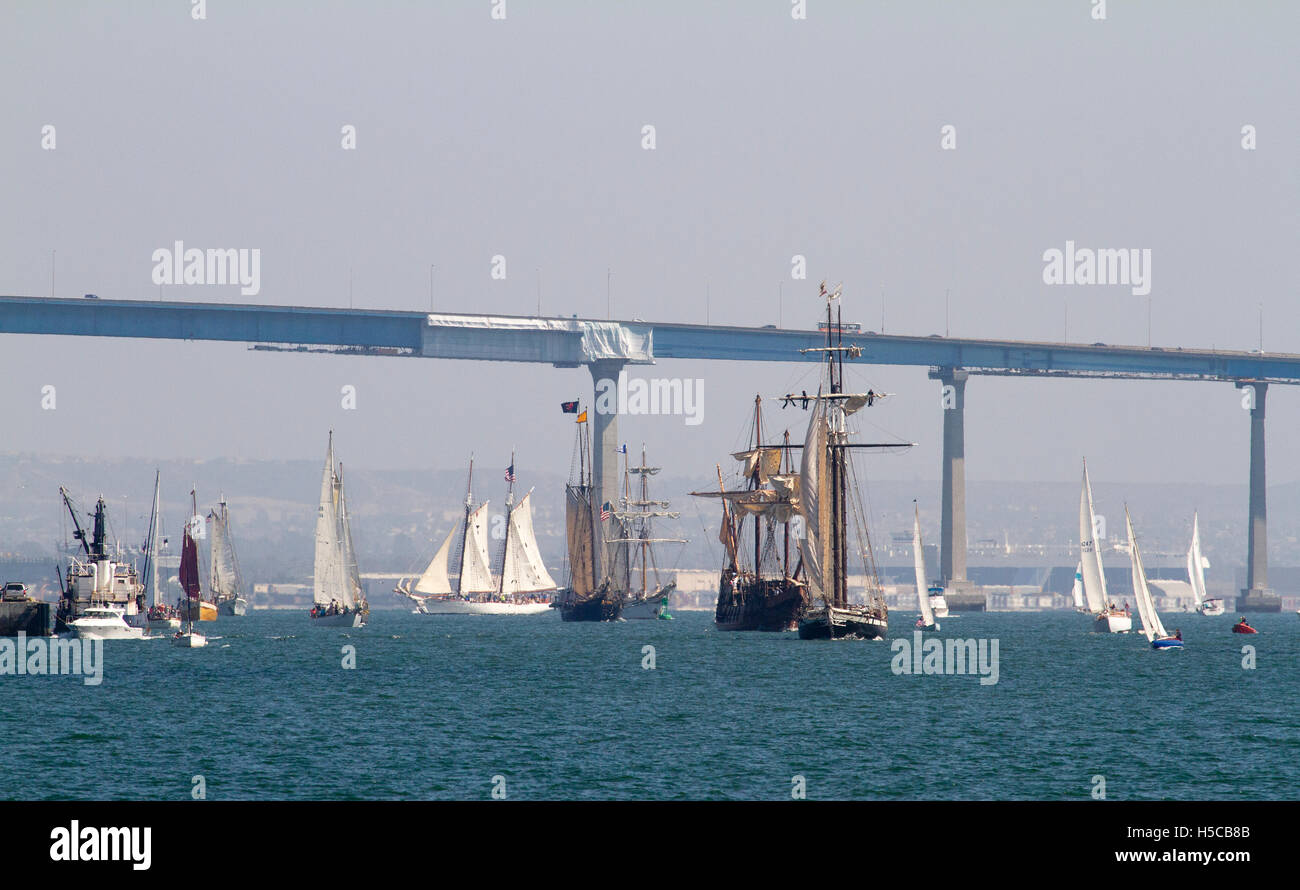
<point>1106,618</point>
<point>1196,564</point>
<point>1155,632</point>
<point>227,581</point>
<point>584,598</point>
<point>196,608</point>
<point>826,488</point>
<point>160,615</point>
<point>339,597</point>
<point>636,515</point>
<point>758,588</point>
<point>188,638</point>
<point>522,587</point>
<point>927,620</point>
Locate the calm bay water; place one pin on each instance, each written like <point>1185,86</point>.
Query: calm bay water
<point>437,706</point>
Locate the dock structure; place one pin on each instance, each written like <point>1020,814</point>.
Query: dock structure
<point>606,347</point>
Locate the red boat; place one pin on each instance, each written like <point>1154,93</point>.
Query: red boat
<point>1242,627</point>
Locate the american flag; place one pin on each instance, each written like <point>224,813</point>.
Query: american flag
<point>604,511</point>
<point>510,473</point>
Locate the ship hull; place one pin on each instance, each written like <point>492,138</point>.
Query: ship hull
<point>601,607</point>
<point>345,619</point>
<point>466,607</point>
<point>1212,607</point>
<point>1112,623</point>
<point>765,605</point>
<point>835,624</point>
<point>206,611</point>
<point>648,609</point>
<point>236,607</point>
<point>189,641</point>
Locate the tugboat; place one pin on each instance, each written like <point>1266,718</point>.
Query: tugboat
<point>100,584</point>
<point>828,490</point>
<point>583,599</point>
<point>757,589</point>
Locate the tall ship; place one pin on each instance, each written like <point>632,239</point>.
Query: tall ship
<point>635,541</point>
<point>585,597</point>
<point>101,593</point>
<point>760,587</point>
<point>227,584</point>
<point>829,501</point>
<point>1106,617</point>
<point>522,587</point>
<point>337,592</point>
<point>195,608</point>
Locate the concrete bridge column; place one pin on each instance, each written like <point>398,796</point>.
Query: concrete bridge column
<point>604,442</point>
<point>952,538</point>
<point>1257,597</point>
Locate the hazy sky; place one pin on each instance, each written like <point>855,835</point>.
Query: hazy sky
<point>774,137</point>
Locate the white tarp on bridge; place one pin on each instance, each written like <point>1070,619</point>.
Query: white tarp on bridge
<point>600,339</point>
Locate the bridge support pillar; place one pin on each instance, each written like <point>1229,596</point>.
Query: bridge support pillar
<point>604,442</point>
<point>1257,597</point>
<point>960,593</point>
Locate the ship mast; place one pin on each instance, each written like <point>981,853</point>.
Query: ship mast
<point>505,545</point>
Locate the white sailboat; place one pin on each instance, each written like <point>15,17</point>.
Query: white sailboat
<point>1155,632</point>
<point>159,615</point>
<point>523,586</point>
<point>227,581</point>
<point>339,597</point>
<point>1106,618</point>
<point>1196,564</point>
<point>926,621</point>
<point>189,576</point>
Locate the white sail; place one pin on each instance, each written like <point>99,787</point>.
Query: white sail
<point>523,570</point>
<point>476,565</point>
<point>918,557</point>
<point>435,580</point>
<point>1076,592</point>
<point>326,576</point>
<point>227,580</point>
<point>1151,625</point>
<point>815,501</point>
<point>151,559</point>
<point>1196,564</point>
<point>353,593</point>
<point>1094,579</point>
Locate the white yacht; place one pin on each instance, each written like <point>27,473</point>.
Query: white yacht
<point>105,622</point>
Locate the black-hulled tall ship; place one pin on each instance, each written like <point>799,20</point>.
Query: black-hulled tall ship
<point>829,500</point>
<point>758,589</point>
<point>585,598</point>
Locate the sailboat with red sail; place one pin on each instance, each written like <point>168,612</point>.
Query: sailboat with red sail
<point>188,638</point>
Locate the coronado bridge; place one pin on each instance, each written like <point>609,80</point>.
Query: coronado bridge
<point>606,347</point>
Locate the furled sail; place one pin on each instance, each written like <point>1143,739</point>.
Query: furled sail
<point>523,570</point>
<point>815,501</point>
<point>1196,563</point>
<point>1151,625</point>
<point>766,461</point>
<point>476,565</point>
<point>435,581</point>
<point>578,531</point>
<point>1094,579</point>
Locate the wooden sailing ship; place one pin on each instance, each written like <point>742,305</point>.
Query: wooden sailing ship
<point>758,589</point>
<point>829,502</point>
<point>635,539</point>
<point>584,597</point>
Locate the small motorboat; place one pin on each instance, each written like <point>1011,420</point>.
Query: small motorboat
<point>1241,627</point>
